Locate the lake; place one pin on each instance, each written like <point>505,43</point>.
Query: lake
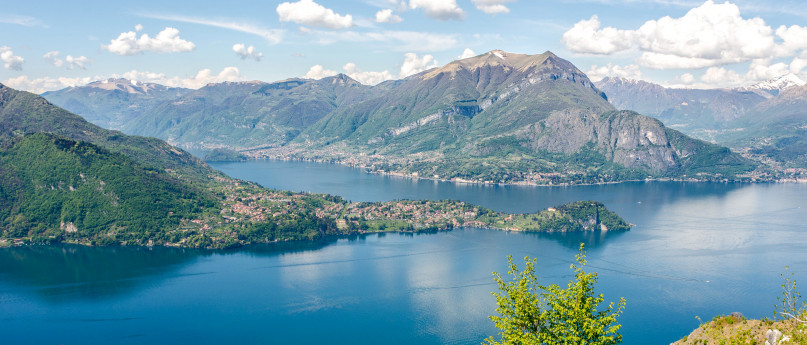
<point>697,249</point>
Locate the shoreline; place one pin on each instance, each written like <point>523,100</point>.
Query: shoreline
<point>415,176</point>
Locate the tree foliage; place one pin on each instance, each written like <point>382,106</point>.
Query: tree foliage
<point>531,313</point>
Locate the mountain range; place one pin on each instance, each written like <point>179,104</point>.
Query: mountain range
<point>111,103</point>
<point>63,179</point>
<point>498,117</point>
<point>766,119</point>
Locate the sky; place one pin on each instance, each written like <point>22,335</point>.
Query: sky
<point>677,43</point>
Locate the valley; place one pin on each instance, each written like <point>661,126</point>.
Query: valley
<point>63,179</point>
<point>497,117</point>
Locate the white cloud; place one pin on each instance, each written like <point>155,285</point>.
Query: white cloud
<point>794,37</point>
<point>201,78</point>
<point>77,62</point>
<point>366,78</point>
<point>10,61</point>
<point>72,62</point>
<point>762,69</point>
<point>53,58</point>
<point>319,72</point>
<point>386,16</point>
<point>166,41</point>
<point>706,36</point>
<point>308,12</point>
<point>797,65</point>
<point>272,35</point>
<point>492,6</point>
<point>713,32</point>
<point>247,52</point>
<point>40,85</point>
<point>413,64</point>
<point>138,27</point>
<point>467,53</point>
<point>611,70</point>
<point>719,76</point>
<point>439,9</point>
<point>587,37</point>
<point>686,78</point>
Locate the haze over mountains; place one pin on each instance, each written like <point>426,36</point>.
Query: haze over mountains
<point>767,118</point>
<point>497,116</point>
<point>111,103</point>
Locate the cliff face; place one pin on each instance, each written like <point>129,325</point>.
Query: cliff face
<point>501,104</point>
<point>691,110</point>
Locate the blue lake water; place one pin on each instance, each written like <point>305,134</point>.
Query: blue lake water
<point>697,249</point>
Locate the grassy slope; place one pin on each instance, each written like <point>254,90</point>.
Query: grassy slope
<point>55,184</point>
<point>64,179</point>
<point>735,330</point>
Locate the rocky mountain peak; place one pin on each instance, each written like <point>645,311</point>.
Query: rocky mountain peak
<point>773,87</point>
<point>510,62</point>
<point>781,83</point>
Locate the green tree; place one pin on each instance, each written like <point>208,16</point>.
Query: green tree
<point>530,313</point>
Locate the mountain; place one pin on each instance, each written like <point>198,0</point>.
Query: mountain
<point>766,119</point>
<point>695,112</point>
<point>773,87</point>
<point>63,179</point>
<point>247,114</point>
<point>111,103</point>
<point>25,113</point>
<point>775,128</point>
<point>498,116</point>
<point>506,117</point>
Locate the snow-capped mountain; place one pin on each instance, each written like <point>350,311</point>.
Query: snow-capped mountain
<point>773,87</point>
<point>127,86</point>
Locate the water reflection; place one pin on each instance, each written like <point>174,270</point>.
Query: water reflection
<point>696,249</point>
<point>353,184</point>
<point>68,272</point>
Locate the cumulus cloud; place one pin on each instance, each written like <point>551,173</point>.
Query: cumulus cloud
<point>686,79</point>
<point>166,41</point>
<point>53,58</point>
<point>467,53</point>
<point>201,78</point>
<point>794,37</point>
<point>587,37</point>
<point>706,36</point>
<point>722,77</point>
<point>797,65</point>
<point>319,72</point>
<point>492,6</point>
<point>366,77</point>
<point>40,85</point>
<point>412,64</point>
<point>308,12</point>
<point>10,61</point>
<point>439,9</point>
<point>762,69</point>
<point>611,70</point>
<point>386,16</point>
<point>247,52</point>
<point>70,62</point>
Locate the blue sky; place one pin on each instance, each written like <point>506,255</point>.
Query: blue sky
<point>190,43</point>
